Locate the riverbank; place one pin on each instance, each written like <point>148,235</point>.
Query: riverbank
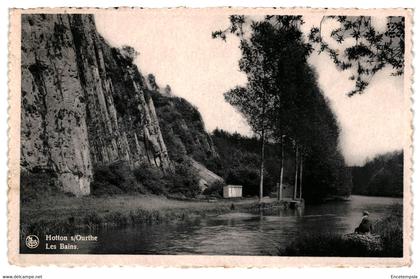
<point>68,214</point>
<point>386,241</point>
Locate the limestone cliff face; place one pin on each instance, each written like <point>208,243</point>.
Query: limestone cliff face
<point>83,103</point>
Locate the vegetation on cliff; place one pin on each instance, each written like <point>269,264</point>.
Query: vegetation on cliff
<point>83,103</point>
<point>182,128</point>
<point>283,103</point>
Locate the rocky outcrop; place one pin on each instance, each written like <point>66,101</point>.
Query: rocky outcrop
<point>206,177</point>
<point>182,127</point>
<point>83,103</point>
<point>184,133</point>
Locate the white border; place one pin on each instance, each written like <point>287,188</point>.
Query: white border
<point>52,272</point>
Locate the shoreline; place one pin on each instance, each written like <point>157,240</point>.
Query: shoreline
<point>71,214</point>
<point>87,215</point>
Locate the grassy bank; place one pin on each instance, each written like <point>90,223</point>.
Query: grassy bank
<point>63,214</point>
<point>386,241</point>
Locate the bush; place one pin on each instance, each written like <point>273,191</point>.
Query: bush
<point>185,180</point>
<point>391,231</point>
<point>151,178</point>
<point>330,245</point>
<point>116,178</point>
<point>249,178</point>
<point>215,189</point>
<point>129,53</point>
<point>39,184</point>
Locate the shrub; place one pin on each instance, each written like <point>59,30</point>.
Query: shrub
<point>215,189</point>
<point>391,231</point>
<point>151,178</point>
<point>116,178</point>
<point>249,178</point>
<point>129,53</point>
<point>330,245</point>
<point>39,184</point>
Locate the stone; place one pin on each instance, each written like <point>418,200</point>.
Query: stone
<point>83,103</point>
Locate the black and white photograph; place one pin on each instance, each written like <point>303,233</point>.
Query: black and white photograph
<point>268,133</point>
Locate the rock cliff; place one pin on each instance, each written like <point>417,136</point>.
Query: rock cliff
<point>83,103</point>
<point>184,132</point>
<point>182,127</point>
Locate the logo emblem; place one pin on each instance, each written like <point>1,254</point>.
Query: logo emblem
<point>32,241</point>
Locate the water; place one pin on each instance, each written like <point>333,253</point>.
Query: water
<point>239,233</point>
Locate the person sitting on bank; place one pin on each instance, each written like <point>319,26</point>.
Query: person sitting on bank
<point>365,225</point>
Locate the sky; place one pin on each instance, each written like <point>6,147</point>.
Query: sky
<point>179,51</point>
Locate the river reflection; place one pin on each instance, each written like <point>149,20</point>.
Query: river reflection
<point>239,233</point>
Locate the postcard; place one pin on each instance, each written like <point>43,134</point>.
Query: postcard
<point>233,137</point>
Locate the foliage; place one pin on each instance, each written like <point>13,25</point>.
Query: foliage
<point>391,230</point>
<point>239,162</point>
<point>282,98</point>
<point>273,57</point>
<point>129,53</point>
<point>371,51</point>
<point>168,90</point>
<point>152,82</point>
<point>382,176</point>
<point>46,182</point>
<point>151,178</point>
<point>327,245</point>
<point>116,178</point>
<point>183,130</point>
<point>215,189</point>
<point>182,181</point>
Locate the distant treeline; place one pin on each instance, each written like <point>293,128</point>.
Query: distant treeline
<point>239,160</point>
<point>238,163</point>
<point>382,176</point>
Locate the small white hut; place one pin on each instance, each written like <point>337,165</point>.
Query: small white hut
<point>232,191</point>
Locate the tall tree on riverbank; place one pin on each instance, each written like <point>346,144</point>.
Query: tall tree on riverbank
<point>272,52</point>
<point>281,99</point>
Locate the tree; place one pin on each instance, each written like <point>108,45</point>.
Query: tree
<point>271,53</point>
<point>256,100</point>
<point>168,90</point>
<point>282,101</point>
<point>129,53</point>
<point>372,50</point>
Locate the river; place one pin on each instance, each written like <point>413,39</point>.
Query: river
<point>239,233</point>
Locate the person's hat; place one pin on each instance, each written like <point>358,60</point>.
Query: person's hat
<point>365,212</point>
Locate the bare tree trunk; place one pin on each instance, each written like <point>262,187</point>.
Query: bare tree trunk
<point>300,179</point>
<point>280,190</point>
<point>296,171</point>
<point>262,164</point>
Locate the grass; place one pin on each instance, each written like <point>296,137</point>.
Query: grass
<point>67,214</point>
<point>387,241</point>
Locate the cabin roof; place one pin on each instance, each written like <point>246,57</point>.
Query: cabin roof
<point>234,186</point>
